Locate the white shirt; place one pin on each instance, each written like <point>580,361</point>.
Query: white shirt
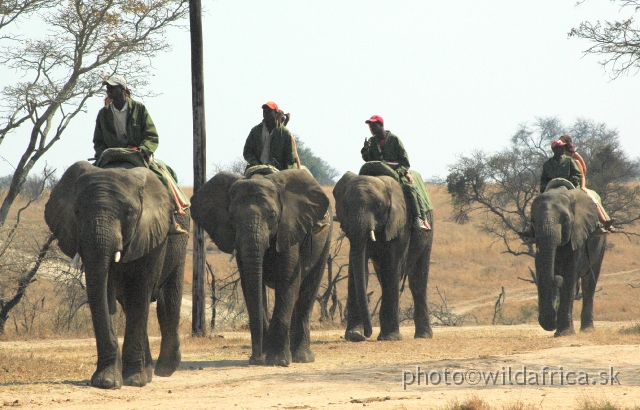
<point>265,156</point>
<point>120,121</point>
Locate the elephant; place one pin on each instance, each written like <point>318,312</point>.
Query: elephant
<point>564,221</point>
<point>271,223</point>
<point>117,220</point>
<point>373,214</point>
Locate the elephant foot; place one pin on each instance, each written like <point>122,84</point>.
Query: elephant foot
<point>279,359</point>
<point>136,380</point>
<point>390,336</point>
<point>257,361</point>
<point>303,356</point>
<point>165,366</point>
<point>354,336</point>
<point>423,334</point>
<point>565,332</point>
<point>108,378</point>
<point>588,328</point>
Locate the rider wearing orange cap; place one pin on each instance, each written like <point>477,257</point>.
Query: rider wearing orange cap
<point>270,142</point>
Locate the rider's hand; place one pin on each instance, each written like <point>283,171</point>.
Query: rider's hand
<point>409,177</point>
<point>367,143</point>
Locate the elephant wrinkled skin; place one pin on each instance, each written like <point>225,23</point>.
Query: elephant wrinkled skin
<point>268,221</point>
<point>373,214</point>
<point>117,220</point>
<point>564,222</point>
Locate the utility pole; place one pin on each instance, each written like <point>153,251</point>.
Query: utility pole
<point>199,164</point>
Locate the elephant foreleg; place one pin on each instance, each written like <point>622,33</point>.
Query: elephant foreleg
<point>390,274</point>
<point>355,319</point>
<point>278,336</point>
<point>300,338</point>
<point>564,321</point>
<point>108,374</point>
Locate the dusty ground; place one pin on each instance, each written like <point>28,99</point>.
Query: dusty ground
<point>215,374</point>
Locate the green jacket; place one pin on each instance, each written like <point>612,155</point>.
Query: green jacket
<point>566,169</point>
<point>392,151</point>
<point>282,153</point>
<point>141,132</point>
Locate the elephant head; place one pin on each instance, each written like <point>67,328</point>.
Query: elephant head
<point>248,214</point>
<point>101,213</point>
<point>563,220</point>
<point>368,208</point>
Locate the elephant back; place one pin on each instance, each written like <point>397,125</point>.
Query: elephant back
<point>378,168</point>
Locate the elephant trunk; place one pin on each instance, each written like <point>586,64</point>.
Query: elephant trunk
<point>357,257</point>
<point>100,241</point>
<point>547,282</point>
<point>251,243</point>
<point>252,287</point>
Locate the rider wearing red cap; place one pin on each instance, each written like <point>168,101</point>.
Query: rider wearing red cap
<point>559,166</point>
<point>387,147</point>
<point>270,142</point>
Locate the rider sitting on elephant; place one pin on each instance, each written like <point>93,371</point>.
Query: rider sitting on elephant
<point>558,166</point>
<point>603,217</point>
<point>270,142</point>
<point>387,147</point>
<point>125,123</point>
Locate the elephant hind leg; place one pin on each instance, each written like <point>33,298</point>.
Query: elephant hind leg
<point>168,311</point>
<point>418,277</point>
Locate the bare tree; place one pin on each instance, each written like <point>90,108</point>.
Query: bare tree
<point>86,41</point>
<point>12,10</point>
<point>17,263</point>
<point>618,42</point>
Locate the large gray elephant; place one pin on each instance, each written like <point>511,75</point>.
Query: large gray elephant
<point>117,220</point>
<point>270,222</point>
<point>373,214</point>
<point>564,221</point>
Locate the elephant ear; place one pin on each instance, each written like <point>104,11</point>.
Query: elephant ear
<point>397,217</point>
<point>338,194</point>
<point>303,203</point>
<point>59,212</point>
<point>156,206</point>
<point>210,210</point>
<point>585,218</point>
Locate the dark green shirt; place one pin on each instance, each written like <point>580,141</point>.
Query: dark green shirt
<point>282,155</point>
<point>141,132</point>
<point>566,169</point>
<point>392,151</point>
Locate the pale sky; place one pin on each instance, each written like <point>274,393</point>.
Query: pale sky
<point>447,77</point>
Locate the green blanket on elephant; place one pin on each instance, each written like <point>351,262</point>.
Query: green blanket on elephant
<point>164,172</point>
<point>379,168</point>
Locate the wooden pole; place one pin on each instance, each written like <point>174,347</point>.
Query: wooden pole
<point>198,326</point>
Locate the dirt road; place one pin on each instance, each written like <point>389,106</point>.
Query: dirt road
<point>215,374</point>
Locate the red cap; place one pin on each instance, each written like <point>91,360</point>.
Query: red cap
<point>271,105</point>
<point>556,143</point>
<point>375,118</point>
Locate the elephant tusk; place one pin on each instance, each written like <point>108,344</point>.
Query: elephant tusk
<point>373,236</point>
<point>233,255</point>
<point>74,262</point>
<point>117,257</point>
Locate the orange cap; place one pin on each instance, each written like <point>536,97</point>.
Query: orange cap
<point>271,105</point>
